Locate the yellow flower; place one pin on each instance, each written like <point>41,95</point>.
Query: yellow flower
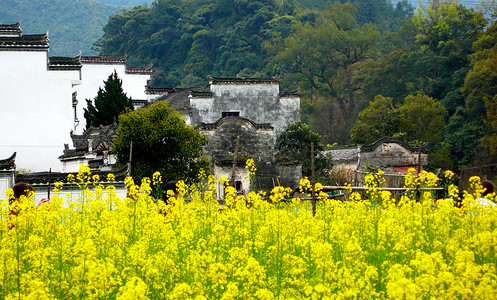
<point>111,177</point>
<point>96,178</point>
<point>70,178</point>
<point>156,178</point>
<point>250,166</point>
<point>305,185</point>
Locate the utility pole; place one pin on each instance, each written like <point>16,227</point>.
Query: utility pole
<point>313,178</point>
<point>233,169</point>
<point>130,159</point>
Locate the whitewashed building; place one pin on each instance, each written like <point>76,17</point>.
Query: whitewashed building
<point>36,107</point>
<point>42,97</point>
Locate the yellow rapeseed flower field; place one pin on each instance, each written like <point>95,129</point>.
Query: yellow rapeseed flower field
<point>100,246</point>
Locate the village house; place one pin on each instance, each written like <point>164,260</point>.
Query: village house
<point>42,97</point>
<point>242,117</point>
<point>391,155</point>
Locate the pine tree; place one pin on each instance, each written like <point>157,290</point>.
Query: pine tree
<point>110,102</point>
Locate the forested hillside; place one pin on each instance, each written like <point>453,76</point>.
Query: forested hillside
<point>73,25</point>
<point>366,69</point>
<point>126,2</point>
<point>189,40</point>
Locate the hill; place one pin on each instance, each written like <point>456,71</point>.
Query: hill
<point>73,25</point>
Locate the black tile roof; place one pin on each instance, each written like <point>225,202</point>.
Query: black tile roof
<point>26,42</point>
<point>179,98</point>
<point>64,63</point>
<point>373,146</point>
<point>217,80</point>
<point>103,60</point>
<point>140,70</point>
<point>45,177</point>
<point>343,154</point>
<point>158,91</point>
<point>11,29</point>
<point>8,163</point>
<point>211,126</point>
<point>101,136</point>
<point>291,94</point>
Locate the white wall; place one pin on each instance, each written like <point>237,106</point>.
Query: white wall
<point>94,75</point>
<point>36,114</point>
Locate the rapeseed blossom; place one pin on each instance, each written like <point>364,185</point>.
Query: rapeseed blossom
<point>101,246</point>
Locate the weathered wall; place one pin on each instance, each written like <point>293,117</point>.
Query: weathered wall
<point>391,154</point>
<point>258,102</point>
<point>255,142</point>
<point>289,175</point>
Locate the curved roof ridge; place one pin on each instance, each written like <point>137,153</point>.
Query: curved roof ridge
<point>373,146</point>
<point>8,163</point>
<point>221,120</point>
<point>104,59</point>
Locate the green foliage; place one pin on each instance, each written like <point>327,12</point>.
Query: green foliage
<point>480,88</point>
<point>294,144</point>
<point>161,142</point>
<point>73,25</point>
<point>379,119</point>
<point>197,38</point>
<point>110,102</point>
<point>420,119</point>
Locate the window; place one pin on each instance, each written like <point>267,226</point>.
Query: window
<point>238,186</point>
<point>230,114</point>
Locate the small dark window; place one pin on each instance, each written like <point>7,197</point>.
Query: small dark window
<point>238,186</point>
<point>230,114</point>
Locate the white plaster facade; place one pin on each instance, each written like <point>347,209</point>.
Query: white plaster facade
<point>36,113</point>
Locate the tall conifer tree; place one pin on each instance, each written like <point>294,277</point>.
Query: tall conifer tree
<point>110,102</point>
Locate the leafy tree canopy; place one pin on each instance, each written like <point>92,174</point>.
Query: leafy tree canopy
<point>378,120</point>
<point>294,144</point>
<point>110,102</point>
<point>420,119</point>
<point>480,88</point>
<point>162,141</point>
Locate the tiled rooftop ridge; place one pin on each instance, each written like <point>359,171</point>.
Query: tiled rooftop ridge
<point>103,60</point>
<point>217,80</point>
<point>31,41</point>
<point>11,29</point>
<point>64,63</point>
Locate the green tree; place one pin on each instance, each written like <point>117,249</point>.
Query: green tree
<point>379,119</point>
<point>422,119</point>
<point>110,102</point>
<point>294,144</point>
<point>162,141</point>
<point>323,59</point>
<point>480,89</point>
